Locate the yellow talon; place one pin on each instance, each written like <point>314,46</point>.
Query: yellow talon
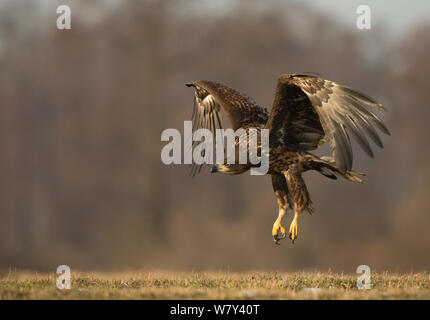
<point>294,229</point>
<point>278,229</point>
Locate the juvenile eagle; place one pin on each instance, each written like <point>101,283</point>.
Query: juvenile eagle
<point>306,112</point>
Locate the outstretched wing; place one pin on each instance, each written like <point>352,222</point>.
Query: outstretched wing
<point>309,110</point>
<point>212,97</point>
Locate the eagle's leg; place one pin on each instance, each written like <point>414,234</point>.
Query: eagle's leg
<point>300,197</point>
<point>281,191</point>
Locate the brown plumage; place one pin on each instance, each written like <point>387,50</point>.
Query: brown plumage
<point>306,112</point>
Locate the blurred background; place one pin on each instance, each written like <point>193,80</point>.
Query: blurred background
<point>82,111</point>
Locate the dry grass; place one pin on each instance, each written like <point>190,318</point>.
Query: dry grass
<point>212,285</point>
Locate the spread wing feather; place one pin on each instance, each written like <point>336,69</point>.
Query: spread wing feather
<point>212,97</point>
<point>309,110</point>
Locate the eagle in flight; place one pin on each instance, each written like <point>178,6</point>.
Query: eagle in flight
<point>307,111</point>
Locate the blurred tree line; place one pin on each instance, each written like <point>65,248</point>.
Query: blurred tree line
<point>82,112</point>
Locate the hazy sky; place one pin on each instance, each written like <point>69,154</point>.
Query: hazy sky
<point>399,16</point>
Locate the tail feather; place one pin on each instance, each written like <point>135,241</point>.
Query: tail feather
<point>327,172</point>
<point>327,167</point>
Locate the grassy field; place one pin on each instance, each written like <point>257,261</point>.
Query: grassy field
<point>212,285</point>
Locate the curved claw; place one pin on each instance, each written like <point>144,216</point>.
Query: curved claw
<point>278,233</point>
<point>292,238</point>
<point>276,238</point>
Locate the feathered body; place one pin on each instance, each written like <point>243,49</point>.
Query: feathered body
<point>307,111</point>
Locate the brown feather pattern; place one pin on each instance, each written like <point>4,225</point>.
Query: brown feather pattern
<point>308,110</point>
<point>210,97</point>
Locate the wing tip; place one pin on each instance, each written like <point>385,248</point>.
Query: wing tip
<point>386,131</point>
<point>190,84</point>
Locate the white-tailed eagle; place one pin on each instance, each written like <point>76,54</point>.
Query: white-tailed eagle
<point>307,111</point>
